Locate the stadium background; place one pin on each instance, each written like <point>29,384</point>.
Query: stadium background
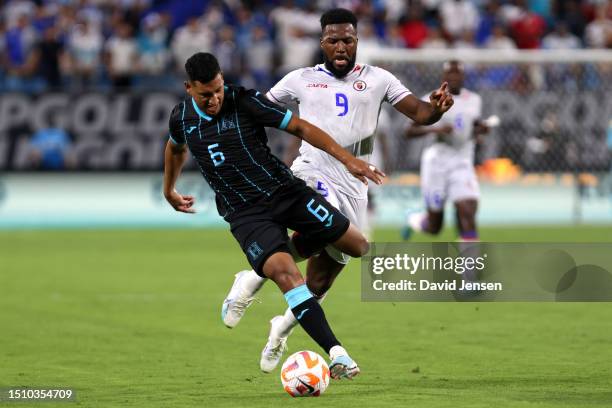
<point>87,87</point>
<point>94,294</point>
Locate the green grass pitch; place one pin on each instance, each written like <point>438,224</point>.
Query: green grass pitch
<point>132,319</point>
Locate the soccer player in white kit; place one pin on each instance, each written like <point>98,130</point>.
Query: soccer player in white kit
<point>343,98</point>
<point>447,166</point>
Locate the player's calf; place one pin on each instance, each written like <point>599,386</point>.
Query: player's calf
<point>321,273</point>
<point>466,219</point>
<point>468,237</point>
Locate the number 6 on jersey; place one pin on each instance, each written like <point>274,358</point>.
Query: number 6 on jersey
<point>217,157</point>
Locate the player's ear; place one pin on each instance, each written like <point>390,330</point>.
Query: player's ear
<point>187,86</point>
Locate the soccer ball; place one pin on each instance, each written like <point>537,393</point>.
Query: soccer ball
<point>305,374</point>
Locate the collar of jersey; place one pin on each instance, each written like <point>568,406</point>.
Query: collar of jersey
<point>199,111</point>
<point>321,68</point>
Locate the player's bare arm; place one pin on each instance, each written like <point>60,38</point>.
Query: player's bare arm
<point>321,140</point>
<point>484,126</point>
<point>423,113</point>
<point>174,159</point>
<point>416,131</point>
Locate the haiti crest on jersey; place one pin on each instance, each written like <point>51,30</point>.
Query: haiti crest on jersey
<point>359,85</point>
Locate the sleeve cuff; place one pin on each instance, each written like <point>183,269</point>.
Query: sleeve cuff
<point>286,120</point>
<point>174,141</point>
<point>401,96</point>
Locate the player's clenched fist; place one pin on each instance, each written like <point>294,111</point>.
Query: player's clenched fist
<point>441,99</point>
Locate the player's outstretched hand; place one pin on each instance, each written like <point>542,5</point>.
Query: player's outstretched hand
<point>181,203</point>
<point>441,99</point>
<point>364,171</point>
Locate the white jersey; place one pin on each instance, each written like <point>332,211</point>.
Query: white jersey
<point>346,108</point>
<point>461,116</point>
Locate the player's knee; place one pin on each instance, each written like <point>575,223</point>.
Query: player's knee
<point>281,271</point>
<point>365,246</point>
<point>360,248</point>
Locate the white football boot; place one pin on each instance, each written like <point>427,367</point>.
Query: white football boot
<point>240,297</point>
<point>342,366</point>
<point>275,347</point>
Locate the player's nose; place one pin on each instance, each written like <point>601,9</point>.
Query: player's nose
<point>340,47</point>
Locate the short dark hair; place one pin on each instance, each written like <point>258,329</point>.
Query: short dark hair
<point>453,65</point>
<point>203,67</point>
<point>338,16</point>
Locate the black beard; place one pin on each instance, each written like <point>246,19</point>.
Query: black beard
<point>340,73</point>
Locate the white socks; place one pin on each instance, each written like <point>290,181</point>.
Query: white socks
<point>252,282</point>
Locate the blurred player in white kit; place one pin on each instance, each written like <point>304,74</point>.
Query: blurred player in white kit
<point>447,166</point>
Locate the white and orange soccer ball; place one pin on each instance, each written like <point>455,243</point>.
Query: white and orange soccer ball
<point>305,374</point>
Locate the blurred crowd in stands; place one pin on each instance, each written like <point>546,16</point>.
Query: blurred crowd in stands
<point>85,44</point>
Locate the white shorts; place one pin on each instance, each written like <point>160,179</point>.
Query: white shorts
<point>354,209</point>
<point>447,178</point>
